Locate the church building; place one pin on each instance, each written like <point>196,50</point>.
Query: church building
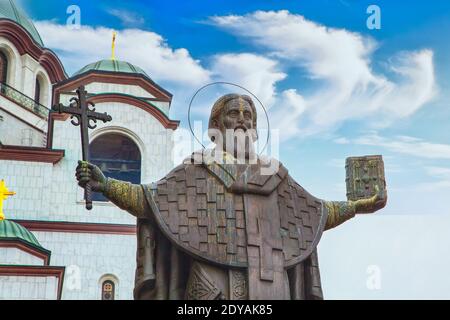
<point>51,247</point>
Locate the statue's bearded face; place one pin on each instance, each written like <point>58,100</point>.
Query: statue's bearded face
<point>236,115</point>
<point>236,126</point>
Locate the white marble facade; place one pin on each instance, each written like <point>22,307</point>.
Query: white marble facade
<point>91,258</point>
<point>49,192</point>
<point>28,288</point>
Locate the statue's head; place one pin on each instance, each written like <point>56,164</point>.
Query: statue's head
<point>232,124</point>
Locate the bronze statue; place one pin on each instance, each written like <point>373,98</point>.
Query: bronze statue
<point>214,229</point>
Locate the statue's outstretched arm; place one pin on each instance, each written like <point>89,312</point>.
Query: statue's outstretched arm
<point>341,211</point>
<point>125,195</point>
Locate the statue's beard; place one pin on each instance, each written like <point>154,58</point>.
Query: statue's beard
<point>240,144</point>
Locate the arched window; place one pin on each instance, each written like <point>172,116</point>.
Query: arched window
<point>3,67</point>
<point>37,91</point>
<point>118,157</point>
<point>108,290</point>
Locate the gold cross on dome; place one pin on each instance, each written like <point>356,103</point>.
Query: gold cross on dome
<point>4,194</point>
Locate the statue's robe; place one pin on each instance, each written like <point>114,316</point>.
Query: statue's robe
<point>229,232</point>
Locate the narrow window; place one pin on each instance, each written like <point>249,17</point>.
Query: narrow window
<point>108,289</point>
<point>3,67</point>
<point>37,92</point>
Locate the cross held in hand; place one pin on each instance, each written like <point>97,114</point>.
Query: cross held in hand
<point>85,117</point>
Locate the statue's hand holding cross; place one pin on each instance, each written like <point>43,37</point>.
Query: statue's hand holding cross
<point>86,118</point>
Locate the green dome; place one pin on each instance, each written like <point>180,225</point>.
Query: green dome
<point>12,231</point>
<point>8,10</point>
<point>110,65</point>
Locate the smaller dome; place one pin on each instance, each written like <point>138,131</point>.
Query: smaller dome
<point>8,10</point>
<point>109,65</point>
<point>10,230</point>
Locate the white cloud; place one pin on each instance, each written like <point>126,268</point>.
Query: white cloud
<point>128,18</point>
<point>406,145</point>
<point>342,140</point>
<point>434,186</point>
<point>145,49</point>
<point>284,115</point>
<point>256,73</point>
<point>436,178</point>
<point>260,75</point>
<point>339,62</point>
<point>441,172</point>
<point>442,176</point>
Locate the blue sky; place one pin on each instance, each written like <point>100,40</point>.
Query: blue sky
<point>333,87</point>
<point>407,57</point>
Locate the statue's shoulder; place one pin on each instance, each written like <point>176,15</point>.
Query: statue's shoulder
<point>180,178</point>
<point>273,167</point>
<point>188,163</point>
<point>279,175</point>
